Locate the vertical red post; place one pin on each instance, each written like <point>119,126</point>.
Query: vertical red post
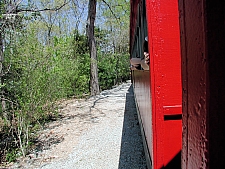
<point>203,81</point>
<point>165,80</point>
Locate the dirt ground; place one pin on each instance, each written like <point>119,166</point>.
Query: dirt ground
<point>109,119</point>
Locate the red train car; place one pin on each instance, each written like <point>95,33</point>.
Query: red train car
<point>180,99</point>
<point>158,90</point>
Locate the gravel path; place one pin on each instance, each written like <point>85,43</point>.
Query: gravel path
<point>99,133</point>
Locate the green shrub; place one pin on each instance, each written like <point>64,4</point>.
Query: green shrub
<point>113,69</point>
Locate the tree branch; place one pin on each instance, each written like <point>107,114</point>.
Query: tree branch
<point>121,7</point>
<point>111,10</point>
<point>41,10</point>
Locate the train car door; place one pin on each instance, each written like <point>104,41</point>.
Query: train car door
<point>165,80</point>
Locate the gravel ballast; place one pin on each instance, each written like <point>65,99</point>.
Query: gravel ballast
<point>105,134</point>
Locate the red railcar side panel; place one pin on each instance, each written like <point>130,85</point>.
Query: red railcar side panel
<point>165,77</point>
<point>203,77</point>
<point>194,120</point>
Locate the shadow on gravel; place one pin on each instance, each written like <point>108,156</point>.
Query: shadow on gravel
<point>132,151</point>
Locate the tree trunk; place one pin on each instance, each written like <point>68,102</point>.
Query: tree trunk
<point>94,85</point>
<point>3,103</point>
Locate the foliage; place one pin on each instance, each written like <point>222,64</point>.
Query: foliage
<point>40,75</point>
<point>116,19</point>
<point>113,69</point>
<point>45,61</point>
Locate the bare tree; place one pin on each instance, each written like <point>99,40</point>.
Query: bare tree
<point>3,104</point>
<point>94,85</point>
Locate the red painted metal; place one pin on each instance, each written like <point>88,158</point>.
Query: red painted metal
<point>158,93</point>
<point>165,79</point>
<point>203,72</point>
